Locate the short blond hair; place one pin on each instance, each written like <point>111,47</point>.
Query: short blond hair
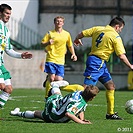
<point>58,18</point>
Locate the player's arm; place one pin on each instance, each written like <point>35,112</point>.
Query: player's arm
<point>24,55</point>
<point>45,44</point>
<point>81,116</point>
<point>47,40</point>
<point>73,56</point>
<point>76,119</point>
<point>78,38</point>
<point>124,58</point>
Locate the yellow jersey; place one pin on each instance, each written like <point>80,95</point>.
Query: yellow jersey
<point>105,40</point>
<point>56,51</point>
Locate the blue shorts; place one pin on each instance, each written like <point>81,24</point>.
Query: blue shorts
<point>95,71</point>
<point>53,68</point>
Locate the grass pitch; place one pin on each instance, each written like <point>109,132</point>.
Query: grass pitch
<point>33,99</point>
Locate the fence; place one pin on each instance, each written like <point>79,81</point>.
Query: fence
<point>22,35</point>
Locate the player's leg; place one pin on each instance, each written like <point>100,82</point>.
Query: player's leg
<point>110,101</point>
<point>51,78</point>
<point>72,88</point>
<point>51,69</point>
<point>110,90</point>
<point>44,83</point>
<point>56,74</point>
<point>27,114</point>
<point>110,97</point>
<point>56,86</point>
<point>5,86</point>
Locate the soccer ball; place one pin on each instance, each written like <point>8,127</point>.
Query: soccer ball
<point>129,106</point>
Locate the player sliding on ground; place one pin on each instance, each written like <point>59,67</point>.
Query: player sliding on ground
<point>59,109</point>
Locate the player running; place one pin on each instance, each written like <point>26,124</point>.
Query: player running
<point>5,46</point>
<point>59,109</point>
<point>56,43</point>
<point>105,40</point>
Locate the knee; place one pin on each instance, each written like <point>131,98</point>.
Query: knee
<point>110,86</point>
<point>2,86</point>
<point>8,89</point>
<point>51,79</point>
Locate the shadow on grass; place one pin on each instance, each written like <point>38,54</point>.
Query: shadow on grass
<point>22,119</point>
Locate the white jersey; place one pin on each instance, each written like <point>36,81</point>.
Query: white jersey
<point>5,45</point>
<point>4,40</point>
<point>57,106</point>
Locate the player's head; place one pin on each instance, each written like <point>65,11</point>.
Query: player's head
<point>118,23</point>
<point>90,92</point>
<point>5,12</point>
<point>59,21</point>
<point>59,17</point>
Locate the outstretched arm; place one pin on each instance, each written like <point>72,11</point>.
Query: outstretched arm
<point>24,55</point>
<point>76,119</point>
<point>78,38</point>
<point>125,60</point>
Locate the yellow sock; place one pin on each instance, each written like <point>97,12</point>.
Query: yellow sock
<point>110,101</point>
<point>72,88</point>
<point>48,87</point>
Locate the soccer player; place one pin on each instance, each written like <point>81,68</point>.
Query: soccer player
<point>105,40</point>
<point>5,46</point>
<point>59,109</point>
<point>55,43</point>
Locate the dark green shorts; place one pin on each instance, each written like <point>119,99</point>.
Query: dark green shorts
<point>4,73</point>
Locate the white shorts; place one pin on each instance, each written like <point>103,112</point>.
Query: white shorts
<point>6,82</point>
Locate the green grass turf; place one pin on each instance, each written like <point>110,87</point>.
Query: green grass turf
<point>33,99</point>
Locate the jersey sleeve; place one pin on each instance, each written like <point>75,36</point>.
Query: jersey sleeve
<point>88,32</point>
<point>46,38</point>
<point>118,46</point>
<point>9,45</point>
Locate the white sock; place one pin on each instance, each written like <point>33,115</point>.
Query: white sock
<point>26,114</point>
<point>4,96</point>
<point>55,90</point>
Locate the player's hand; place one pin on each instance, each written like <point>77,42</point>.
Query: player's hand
<point>74,57</point>
<point>26,55</point>
<point>78,42</point>
<point>87,122</point>
<point>132,67</point>
<point>51,41</point>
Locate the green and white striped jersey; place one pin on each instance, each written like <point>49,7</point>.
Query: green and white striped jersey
<point>56,106</point>
<point>4,40</point>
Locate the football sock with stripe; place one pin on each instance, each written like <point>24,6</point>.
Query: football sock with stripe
<point>55,89</point>
<point>26,114</point>
<point>4,96</point>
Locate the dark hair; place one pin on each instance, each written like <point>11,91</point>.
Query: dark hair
<point>3,7</point>
<point>90,92</point>
<point>117,21</point>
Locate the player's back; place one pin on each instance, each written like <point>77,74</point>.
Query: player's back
<point>103,39</point>
<point>57,106</point>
